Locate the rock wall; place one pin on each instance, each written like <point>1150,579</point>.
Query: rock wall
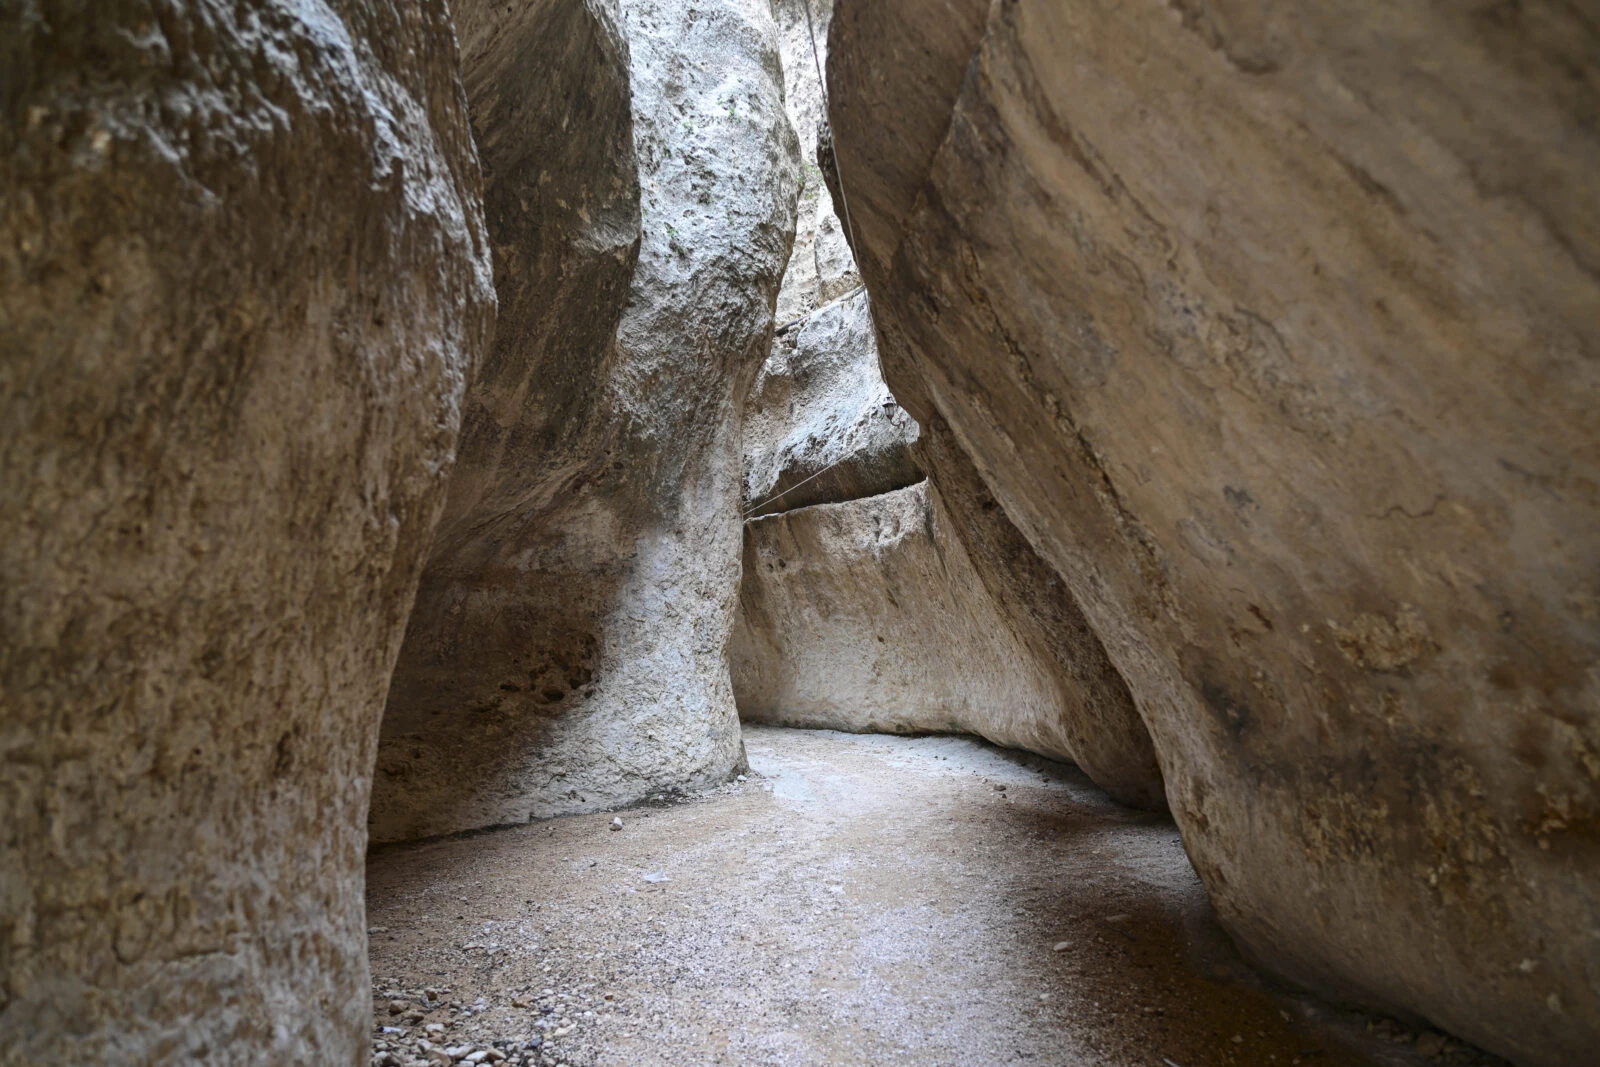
<point>1094,714</point>
<point>821,427</point>
<point>494,651</point>
<point>243,280</point>
<point>569,648</point>
<point>867,616</point>
<point>821,268</point>
<point>820,424</point>
<point>1273,327</point>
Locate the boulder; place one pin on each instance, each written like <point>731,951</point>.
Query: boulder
<point>243,282</point>
<point>569,650</point>
<point>1273,327</point>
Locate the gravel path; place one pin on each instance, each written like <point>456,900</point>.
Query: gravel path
<point>858,900</point>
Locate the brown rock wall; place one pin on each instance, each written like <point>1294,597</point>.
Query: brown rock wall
<point>243,282</point>
<point>1274,328</point>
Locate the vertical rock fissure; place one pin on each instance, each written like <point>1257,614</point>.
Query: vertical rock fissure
<point>864,605</point>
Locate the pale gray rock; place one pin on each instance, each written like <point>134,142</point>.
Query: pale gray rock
<point>802,98</point>
<point>505,632</point>
<point>821,268</point>
<point>867,616</point>
<point>1273,327</point>
<point>830,252</point>
<point>243,282</point>
<point>820,425</point>
<point>569,651</point>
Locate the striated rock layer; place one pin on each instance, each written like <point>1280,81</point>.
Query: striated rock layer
<point>1274,328</point>
<point>243,279</point>
<point>569,650</point>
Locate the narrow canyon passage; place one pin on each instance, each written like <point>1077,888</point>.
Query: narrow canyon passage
<point>857,899</point>
<point>465,458</point>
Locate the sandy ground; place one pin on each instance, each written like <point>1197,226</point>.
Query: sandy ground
<point>857,900</point>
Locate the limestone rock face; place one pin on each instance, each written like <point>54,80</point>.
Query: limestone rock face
<point>1094,713</point>
<point>820,425</point>
<point>867,616</point>
<point>1274,328</point>
<point>504,636</point>
<point>569,648</point>
<point>820,267</point>
<point>243,281</point>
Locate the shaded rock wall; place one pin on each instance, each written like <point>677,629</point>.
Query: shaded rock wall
<point>243,280</point>
<point>569,650</point>
<point>820,424</point>
<point>1274,327</point>
<point>867,616</point>
<point>820,267</point>
<point>821,427</point>
<point>1094,714</point>
<point>504,637</point>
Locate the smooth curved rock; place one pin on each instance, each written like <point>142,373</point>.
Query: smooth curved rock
<point>821,427</point>
<point>1094,714</point>
<point>1274,328</point>
<point>506,631</point>
<point>867,616</point>
<point>243,280</point>
<point>570,647</point>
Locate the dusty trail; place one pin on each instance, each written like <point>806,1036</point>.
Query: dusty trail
<point>859,900</point>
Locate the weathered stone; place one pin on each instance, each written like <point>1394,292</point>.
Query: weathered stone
<point>569,647</point>
<point>820,425</point>
<point>868,616</point>
<point>243,279</point>
<point>1100,727</point>
<point>505,634</point>
<point>1273,327</point>
<point>802,100</point>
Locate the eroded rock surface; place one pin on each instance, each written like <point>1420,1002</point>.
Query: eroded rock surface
<point>243,280</point>
<point>1274,328</point>
<point>867,616</point>
<point>821,268</point>
<point>821,427</point>
<point>569,650</point>
<point>820,424</point>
